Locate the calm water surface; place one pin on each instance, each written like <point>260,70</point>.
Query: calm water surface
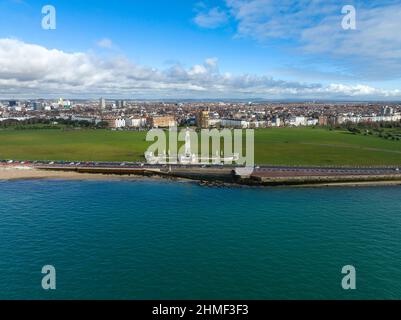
<point>165,240</point>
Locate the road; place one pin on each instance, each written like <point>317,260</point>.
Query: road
<point>259,171</point>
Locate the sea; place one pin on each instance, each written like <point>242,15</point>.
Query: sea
<point>176,240</point>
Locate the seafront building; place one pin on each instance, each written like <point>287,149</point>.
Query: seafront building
<point>136,122</point>
<point>115,123</point>
<point>142,115</point>
<point>162,122</point>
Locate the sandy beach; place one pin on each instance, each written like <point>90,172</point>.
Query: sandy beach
<point>29,173</point>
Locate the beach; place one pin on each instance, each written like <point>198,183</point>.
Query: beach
<point>26,173</point>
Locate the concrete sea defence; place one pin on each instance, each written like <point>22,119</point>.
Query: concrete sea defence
<point>210,175</point>
<point>271,177</point>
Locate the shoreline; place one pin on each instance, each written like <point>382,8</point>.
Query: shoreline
<point>15,174</point>
<point>26,173</point>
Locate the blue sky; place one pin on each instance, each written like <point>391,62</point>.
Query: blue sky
<point>150,32</point>
<point>201,49</point>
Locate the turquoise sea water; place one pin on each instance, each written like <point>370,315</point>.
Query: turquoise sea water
<point>166,240</point>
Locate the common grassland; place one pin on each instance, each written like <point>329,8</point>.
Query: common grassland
<point>281,146</point>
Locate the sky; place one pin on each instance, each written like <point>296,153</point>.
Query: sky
<point>219,49</point>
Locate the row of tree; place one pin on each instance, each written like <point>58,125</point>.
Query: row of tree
<point>39,123</point>
<point>381,129</point>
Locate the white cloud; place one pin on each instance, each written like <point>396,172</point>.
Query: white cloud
<point>212,62</point>
<point>267,19</point>
<point>105,43</point>
<point>372,52</point>
<point>360,91</point>
<point>211,19</point>
<point>32,70</point>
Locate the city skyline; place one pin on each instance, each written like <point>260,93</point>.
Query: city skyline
<point>233,49</point>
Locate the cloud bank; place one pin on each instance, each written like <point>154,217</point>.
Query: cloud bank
<point>313,28</point>
<point>30,70</point>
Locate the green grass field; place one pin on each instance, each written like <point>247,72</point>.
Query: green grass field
<point>283,146</point>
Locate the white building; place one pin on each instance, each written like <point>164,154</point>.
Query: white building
<point>83,118</point>
<point>119,123</point>
<point>359,119</point>
<point>276,122</point>
<point>234,123</point>
<point>214,122</point>
<point>312,122</point>
<point>188,157</point>
<point>135,122</point>
<point>115,123</point>
<point>297,121</point>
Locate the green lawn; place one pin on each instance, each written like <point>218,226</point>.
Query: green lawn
<point>308,146</point>
<point>284,146</point>
<point>75,145</point>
